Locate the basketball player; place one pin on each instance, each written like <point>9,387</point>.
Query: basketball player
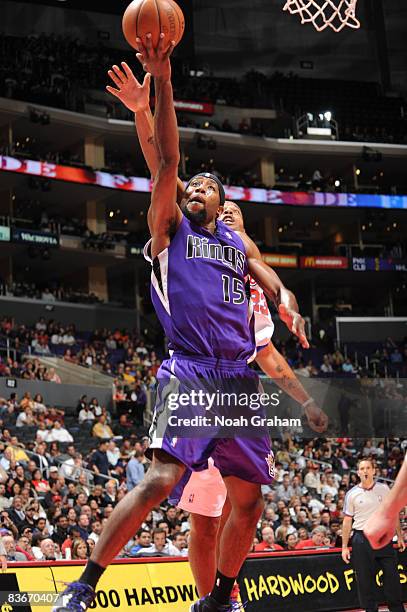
<point>380,527</point>
<point>199,270</point>
<point>204,495</point>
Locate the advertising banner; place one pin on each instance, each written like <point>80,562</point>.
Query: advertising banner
<point>44,239</point>
<point>151,586</point>
<point>134,586</point>
<point>188,106</point>
<point>282,582</point>
<point>310,583</point>
<point>363,264</point>
<point>242,194</point>
<point>327,262</point>
<point>280,261</point>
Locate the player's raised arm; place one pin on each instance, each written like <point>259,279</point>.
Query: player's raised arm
<point>164,213</point>
<point>136,97</point>
<point>274,288</point>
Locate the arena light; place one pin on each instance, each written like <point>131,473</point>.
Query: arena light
<point>337,183</point>
<point>328,115</point>
<point>358,171</point>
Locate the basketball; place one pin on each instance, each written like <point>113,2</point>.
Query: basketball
<point>153,16</point>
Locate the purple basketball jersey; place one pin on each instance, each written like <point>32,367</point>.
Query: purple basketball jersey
<point>198,291</point>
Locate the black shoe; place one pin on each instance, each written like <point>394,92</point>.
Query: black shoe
<point>208,604</point>
<point>77,597</point>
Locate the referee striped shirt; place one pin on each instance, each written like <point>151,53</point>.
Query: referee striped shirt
<point>361,503</point>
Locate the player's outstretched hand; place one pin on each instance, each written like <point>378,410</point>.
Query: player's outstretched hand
<point>380,528</point>
<point>156,61</point>
<point>134,95</point>
<point>317,418</point>
<point>295,324</point>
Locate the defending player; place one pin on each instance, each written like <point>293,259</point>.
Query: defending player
<point>199,269</point>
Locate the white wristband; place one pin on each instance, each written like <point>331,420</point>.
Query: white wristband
<point>308,402</point>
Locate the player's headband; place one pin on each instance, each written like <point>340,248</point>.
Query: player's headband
<point>217,181</point>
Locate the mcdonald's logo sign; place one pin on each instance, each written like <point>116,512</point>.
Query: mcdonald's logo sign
<point>328,262</point>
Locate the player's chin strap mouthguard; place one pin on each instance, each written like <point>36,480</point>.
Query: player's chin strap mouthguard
<point>222,195</point>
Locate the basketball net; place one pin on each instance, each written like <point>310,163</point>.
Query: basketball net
<point>335,14</point>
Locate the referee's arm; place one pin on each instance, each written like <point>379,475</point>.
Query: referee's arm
<point>346,529</point>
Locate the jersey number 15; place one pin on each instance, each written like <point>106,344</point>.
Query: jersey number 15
<point>233,290</point>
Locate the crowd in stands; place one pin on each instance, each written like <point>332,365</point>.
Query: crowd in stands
<point>50,294</point>
<point>126,356</point>
<point>32,214</point>
<point>58,70</point>
<point>119,353</point>
<point>375,360</point>
<point>59,485</point>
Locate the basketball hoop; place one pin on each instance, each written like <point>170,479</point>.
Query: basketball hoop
<point>335,14</point>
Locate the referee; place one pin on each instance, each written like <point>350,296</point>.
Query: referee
<point>360,503</point>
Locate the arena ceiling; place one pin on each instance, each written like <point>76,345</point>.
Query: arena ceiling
<point>233,36</point>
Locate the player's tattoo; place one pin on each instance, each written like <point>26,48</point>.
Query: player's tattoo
<point>150,140</point>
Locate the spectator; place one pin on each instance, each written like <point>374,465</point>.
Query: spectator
<point>326,367</point>
<point>316,540</point>
<point>135,471</point>
<point>47,547</point>
<point>291,541</point>
<point>141,540</point>
<point>86,415</point>
<point>16,512</point>
<point>3,555</point>
<point>40,484</point>
<point>26,418</point>
<point>23,546</point>
<point>179,541</point>
<point>285,490</point>
<point>160,545</point>
<point>267,542</point>
<point>60,533</point>
<point>99,462</point>
<point>97,528</point>
<point>59,434</point>
<point>79,549</point>
<point>10,548</point>
<point>101,429</point>
<point>83,526</point>
<point>52,376</point>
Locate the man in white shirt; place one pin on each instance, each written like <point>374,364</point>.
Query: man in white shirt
<point>59,434</point>
<point>360,504</point>
<point>329,487</point>
<point>161,545</point>
<point>180,543</point>
<point>86,415</point>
